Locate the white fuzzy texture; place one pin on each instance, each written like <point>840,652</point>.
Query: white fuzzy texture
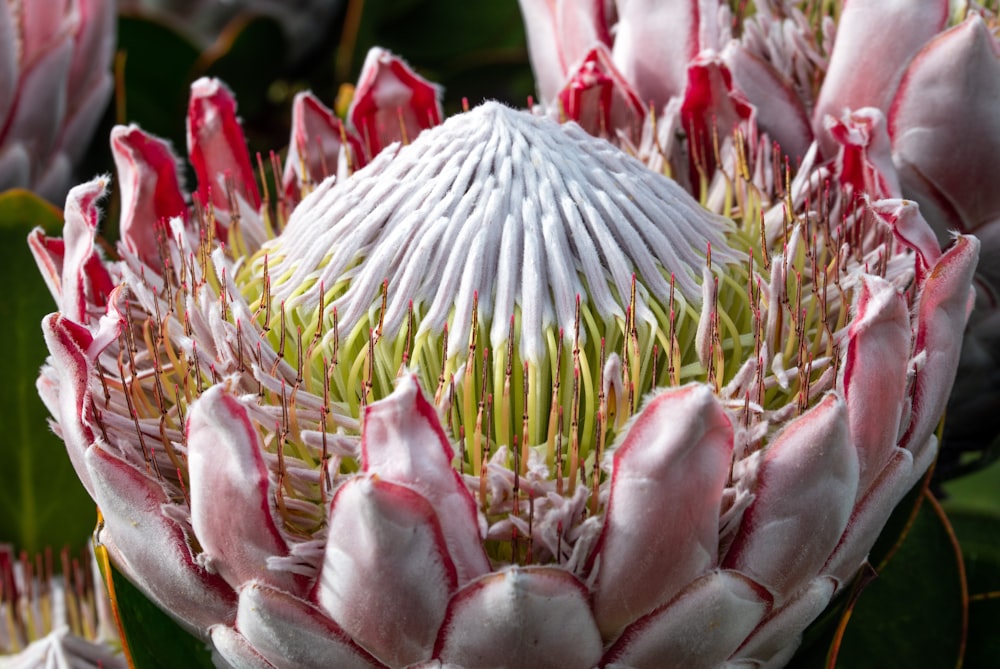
<point>522,211</point>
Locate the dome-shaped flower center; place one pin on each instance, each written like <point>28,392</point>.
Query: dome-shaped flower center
<point>519,265</point>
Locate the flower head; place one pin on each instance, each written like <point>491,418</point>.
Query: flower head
<point>56,57</point>
<point>504,387</point>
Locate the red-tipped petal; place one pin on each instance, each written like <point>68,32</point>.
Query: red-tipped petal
<point>699,629</point>
<point>599,98</point>
<point>231,500</point>
<point>864,160</point>
<point>865,67</point>
<point>875,368</point>
<point>68,343</point>
<point>85,280</point>
<point>942,311</point>
<point>666,491</point>
<point>710,110</point>
<point>527,617</point>
<point>806,488</point>
<point>386,576</point>
<point>151,549</point>
<point>392,102</point>
<point>910,228</point>
<point>654,42</point>
<point>316,146</point>
<point>402,441</point>
<point>291,633</point>
<point>559,33</point>
<point>217,146</point>
<point>150,189</point>
<point>50,255</point>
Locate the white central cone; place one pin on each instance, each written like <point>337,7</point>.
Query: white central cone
<point>520,212</point>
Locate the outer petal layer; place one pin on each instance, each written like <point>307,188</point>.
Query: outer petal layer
<point>292,634</point>
<point>806,489</point>
<point>402,441</point>
<point>875,368</point>
<point>946,135</point>
<point>666,487</point>
<point>701,628</point>
<point>150,189</point>
<point>386,576</point>
<point>230,493</point>
<point>151,549</point>
<point>531,617</point>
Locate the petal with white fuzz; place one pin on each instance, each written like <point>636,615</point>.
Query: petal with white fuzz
<point>945,129</point>
<point>699,629</point>
<point>217,147</point>
<point>150,189</point>
<point>654,42</point>
<point>291,633</point>
<point>875,368</point>
<point>402,441</point>
<point>231,507</point>
<point>806,487</point>
<point>231,650</point>
<point>386,576</point>
<point>782,629</point>
<point>666,485</point>
<point>527,617</point>
<point>151,549</point>
<point>85,279</point>
<point>942,312</point>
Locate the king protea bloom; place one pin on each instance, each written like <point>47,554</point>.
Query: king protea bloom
<point>503,397</point>
<point>55,620</point>
<point>910,116</point>
<point>56,82</point>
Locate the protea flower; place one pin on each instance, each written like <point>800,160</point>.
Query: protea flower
<point>891,117</point>
<point>54,620</point>
<point>56,55</point>
<point>304,22</point>
<point>504,396</point>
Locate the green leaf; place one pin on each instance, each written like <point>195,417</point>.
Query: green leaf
<point>150,638</point>
<point>979,536</point>
<point>42,503</point>
<point>915,613</point>
<point>979,491</point>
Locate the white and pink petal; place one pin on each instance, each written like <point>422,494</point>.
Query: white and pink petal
<point>666,488</point>
<point>527,617</point>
